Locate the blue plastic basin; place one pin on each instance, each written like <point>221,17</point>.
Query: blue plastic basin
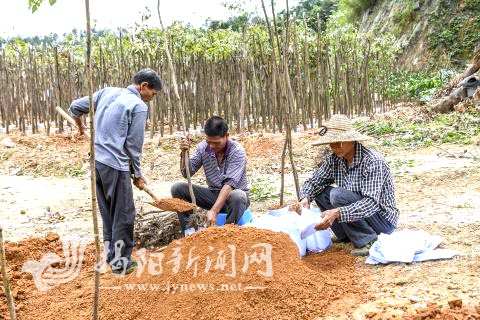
<point>246,218</point>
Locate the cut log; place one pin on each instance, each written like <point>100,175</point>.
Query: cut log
<point>446,104</point>
<point>198,219</point>
<point>156,228</point>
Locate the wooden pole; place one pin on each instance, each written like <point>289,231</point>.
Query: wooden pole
<point>92,160</point>
<point>6,284</point>
<point>180,111</point>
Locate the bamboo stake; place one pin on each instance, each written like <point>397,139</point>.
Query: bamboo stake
<point>292,106</point>
<point>6,283</point>
<point>91,115</point>
<point>350,77</point>
<point>180,109</point>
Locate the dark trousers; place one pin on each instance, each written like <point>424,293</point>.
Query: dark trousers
<point>115,202</point>
<point>236,204</point>
<point>358,232</point>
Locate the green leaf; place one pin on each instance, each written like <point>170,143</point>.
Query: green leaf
<point>35,4</point>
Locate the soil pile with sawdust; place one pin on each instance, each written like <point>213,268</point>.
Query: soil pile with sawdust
<point>217,273</point>
<point>173,204</point>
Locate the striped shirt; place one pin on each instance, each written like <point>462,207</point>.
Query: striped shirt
<point>231,170</point>
<point>369,175</point>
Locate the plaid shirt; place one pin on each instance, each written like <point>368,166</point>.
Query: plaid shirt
<point>232,169</point>
<point>369,175</point>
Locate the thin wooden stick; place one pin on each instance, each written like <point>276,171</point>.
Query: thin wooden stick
<point>180,111</point>
<point>150,193</point>
<point>6,283</point>
<point>93,185</point>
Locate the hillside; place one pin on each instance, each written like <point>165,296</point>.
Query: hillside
<point>430,33</point>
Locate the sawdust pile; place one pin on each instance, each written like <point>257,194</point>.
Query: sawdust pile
<point>173,204</point>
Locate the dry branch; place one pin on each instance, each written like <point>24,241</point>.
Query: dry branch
<point>156,228</point>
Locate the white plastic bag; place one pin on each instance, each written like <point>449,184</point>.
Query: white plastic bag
<point>320,240</point>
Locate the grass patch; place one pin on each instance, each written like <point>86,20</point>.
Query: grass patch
<point>400,163</point>
<point>76,172</point>
<point>457,128</point>
<point>264,188</point>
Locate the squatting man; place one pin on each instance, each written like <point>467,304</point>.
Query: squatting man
<point>224,162</point>
<point>353,188</point>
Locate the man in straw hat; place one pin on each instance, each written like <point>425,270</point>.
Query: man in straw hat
<point>361,203</point>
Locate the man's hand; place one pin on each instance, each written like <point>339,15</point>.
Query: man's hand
<point>139,182</point>
<point>81,130</point>
<point>185,143</point>
<point>329,217</point>
<point>211,218</point>
<point>296,207</point>
<point>81,127</point>
<point>304,203</point>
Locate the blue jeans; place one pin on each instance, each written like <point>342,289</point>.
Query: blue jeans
<point>359,232</point>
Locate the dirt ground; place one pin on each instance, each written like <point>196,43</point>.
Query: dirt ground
<point>44,187</point>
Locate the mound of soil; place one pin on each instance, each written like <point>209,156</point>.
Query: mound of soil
<point>25,292</point>
<point>293,291</point>
<point>217,273</point>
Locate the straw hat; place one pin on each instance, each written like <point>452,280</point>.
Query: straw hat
<point>339,129</point>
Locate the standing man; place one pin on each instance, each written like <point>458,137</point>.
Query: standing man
<point>361,204</point>
<point>120,117</point>
<point>225,165</point>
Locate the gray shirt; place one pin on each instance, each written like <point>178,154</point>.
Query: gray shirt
<point>231,170</point>
<point>120,117</point>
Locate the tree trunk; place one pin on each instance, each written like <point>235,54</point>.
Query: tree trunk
<point>180,109</point>
<point>446,104</point>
